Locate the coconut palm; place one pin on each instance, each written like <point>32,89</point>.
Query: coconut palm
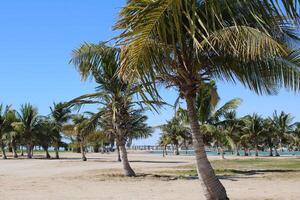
<point>253,129</point>
<point>13,131</point>
<point>114,95</point>
<point>4,124</point>
<point>269,134</point>
<point>164,141</point>
<point>29,119</point>
<point>184,43</point>
<point>78,130</point>
<point>283,127</point>
<point>46,134</point>
<point>234,127</point>
<point>59,116</point>
<point>175,132</point>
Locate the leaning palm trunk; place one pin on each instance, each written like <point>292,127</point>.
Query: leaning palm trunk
<point>82,149</point>
<point>212,187</point>
<point>47,152</point>
<point>176,152</point>
<point>3,151</point>
<point>256,151</point>
<point>119,155</point>
<point>29,155</point>
<point>14,151</point>
<point>56,151</point>
<point>128,171</point>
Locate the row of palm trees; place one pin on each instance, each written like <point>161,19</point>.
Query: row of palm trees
<point>26,128</point>
<point>248,133</point>
<point>185,44</point>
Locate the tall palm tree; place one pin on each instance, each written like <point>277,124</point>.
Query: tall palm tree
<point>59,116</point>
<point>115,95</point>
<point>29,118</point>
<point>184,43</point>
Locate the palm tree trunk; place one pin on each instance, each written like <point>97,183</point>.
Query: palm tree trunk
<point>47,154</point>
<point>271,151</point>
<point>56,150</point>
<point>3,151</point>
<point>222,153</point>
<point>176,152</point>
<point>22,151</point>
<point>212,187</point>
<point>82,152</point>
<point>29,155</point>
<point>128,171</point>
<point>119,155</point>
<point>256,151</point>
<point>237,150</point>
<point>14,149</point>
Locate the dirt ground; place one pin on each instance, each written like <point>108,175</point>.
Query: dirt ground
<point>100,178</point>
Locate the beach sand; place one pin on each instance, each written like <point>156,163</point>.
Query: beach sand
<point>100,178</point>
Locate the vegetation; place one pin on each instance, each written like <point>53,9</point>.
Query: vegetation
<point>185,43</point>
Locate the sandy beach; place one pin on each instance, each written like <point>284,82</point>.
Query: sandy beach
<point>101,178</point>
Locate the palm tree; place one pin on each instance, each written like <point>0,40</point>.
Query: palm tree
<point>269,134</point>
<point>102,62</point>
<point>29,118</point>
<point>175,133</point>
<point>185,43</point>
<point>233,126</point>
<point>13,131</point>
<point>59,115</point>
<point>46,134</point>
<point>164,141</point>
<point>253,129</point>
<point>283,126</point>
<point>4,123</point>
<point>78,130</point>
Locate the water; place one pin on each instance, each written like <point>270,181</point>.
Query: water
<point>215,153</point>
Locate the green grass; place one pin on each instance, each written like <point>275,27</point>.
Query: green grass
<point>242,167</point>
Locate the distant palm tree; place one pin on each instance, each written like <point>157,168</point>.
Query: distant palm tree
<point>13,132</point>
<point>253,129</point>
<point>234,127</point>
<point>283,127</point>
<point>46,134</point>
<point>4,124</point>
<point>78,130</point>
<point>175,133</point>
<point>29,118</point>
<point>59,116</point>
<point>184,43</point>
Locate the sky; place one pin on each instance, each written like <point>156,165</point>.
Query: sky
<point>36,43</point>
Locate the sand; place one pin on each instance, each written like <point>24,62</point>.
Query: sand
<point>99,178</point>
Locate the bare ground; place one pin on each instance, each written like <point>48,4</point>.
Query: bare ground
<point>101,178</point>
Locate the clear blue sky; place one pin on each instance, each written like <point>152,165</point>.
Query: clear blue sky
<point>36,41</point>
